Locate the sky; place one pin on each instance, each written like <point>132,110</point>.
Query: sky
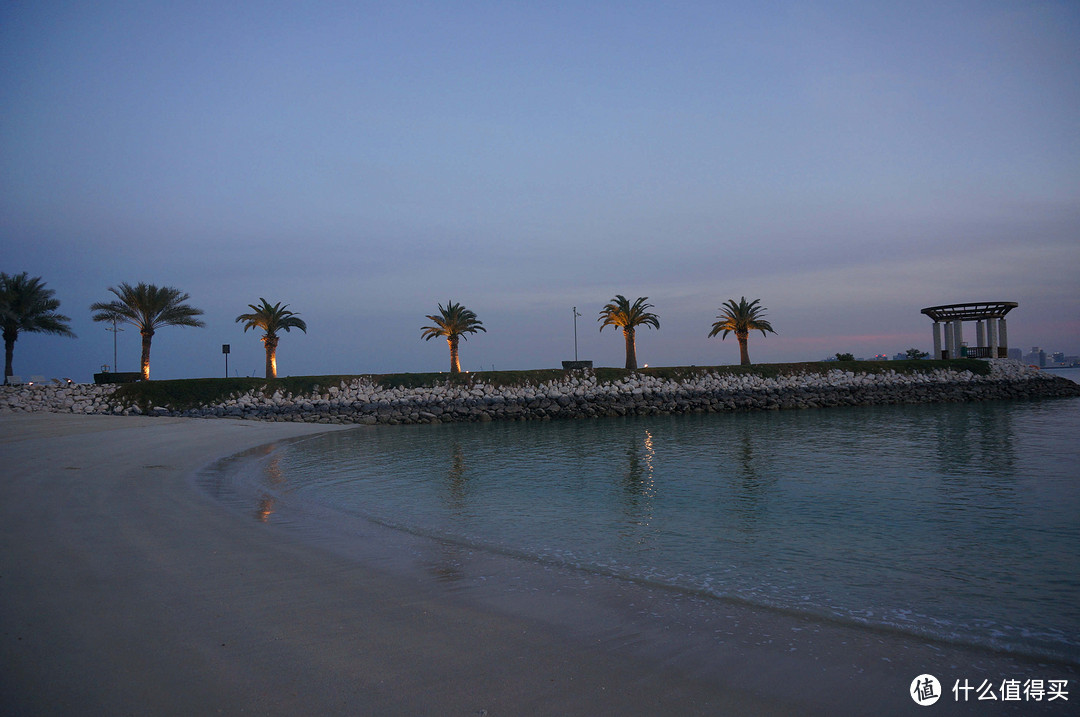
<point>847,163</point>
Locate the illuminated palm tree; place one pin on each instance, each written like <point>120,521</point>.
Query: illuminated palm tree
<point>742,318</point>
<point>147,307</point>
<point>453,322</point>
<point>26,305</point>
<point>626,316</point>
<point>271,319</point>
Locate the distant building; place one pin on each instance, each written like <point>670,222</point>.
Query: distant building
<point>1016,354</point>
<point>1041,358</point>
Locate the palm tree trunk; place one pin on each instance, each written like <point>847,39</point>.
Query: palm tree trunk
<point>455,365</point>
<point>631,349</point>
<point>9,353</point>
<point>744,355</point>
<point>271,343</point>
<point>147,337</point>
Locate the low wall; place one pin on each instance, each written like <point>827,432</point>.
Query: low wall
<point>118,377</point>
<point>579,395</point>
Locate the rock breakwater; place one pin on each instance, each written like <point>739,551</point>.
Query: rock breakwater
<point>577,395</point>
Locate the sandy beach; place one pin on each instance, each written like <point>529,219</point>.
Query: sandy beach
<point>125,588</point>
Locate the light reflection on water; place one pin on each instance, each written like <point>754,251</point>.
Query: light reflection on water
<point>956,520</point>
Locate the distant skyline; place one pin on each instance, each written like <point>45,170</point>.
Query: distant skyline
<point>846,163</point>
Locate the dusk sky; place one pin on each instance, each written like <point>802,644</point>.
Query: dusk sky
<point>848,163</point>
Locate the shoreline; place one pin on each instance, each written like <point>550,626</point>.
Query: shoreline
<point>246,484</point>
<point>126,588</point>
<point>574,395</point>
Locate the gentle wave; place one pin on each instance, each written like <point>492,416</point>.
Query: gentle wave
<point>952,522</point>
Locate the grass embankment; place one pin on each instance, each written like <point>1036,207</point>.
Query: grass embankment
<point>183,394</point>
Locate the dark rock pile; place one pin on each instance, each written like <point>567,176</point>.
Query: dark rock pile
<point>579,395</point>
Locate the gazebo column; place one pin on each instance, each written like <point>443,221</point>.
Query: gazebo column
<point>958,338</point>
<point>937,340</point>
<point>1003,337</point>
<point>993,337</point>
<point>980,333</point>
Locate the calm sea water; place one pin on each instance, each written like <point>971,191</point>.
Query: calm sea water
<point>958,521</point>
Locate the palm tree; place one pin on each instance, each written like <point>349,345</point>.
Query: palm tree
<point>26,305</point>
<point>742,318</point>
<point>271,319</point>
<point>453,322</point>
<point>620,313</point>
<point>148,307</point>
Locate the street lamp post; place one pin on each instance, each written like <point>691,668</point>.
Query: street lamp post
<point>576,314</point>
<point>115,330</point>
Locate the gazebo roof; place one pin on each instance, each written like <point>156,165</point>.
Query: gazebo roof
<point>970,312</point>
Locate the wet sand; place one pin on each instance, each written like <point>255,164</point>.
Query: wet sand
<point>125,588</point>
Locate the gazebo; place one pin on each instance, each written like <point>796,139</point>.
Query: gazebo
<point>990,331</point>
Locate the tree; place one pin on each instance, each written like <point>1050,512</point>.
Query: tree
<point>26,305</point>
<point>620,313</point>
<point>147,307</point>
<point>741,318</point>
<point>914,353</point>
<point>452,322</point>
<point>845,357</point>
<point>271,319</point>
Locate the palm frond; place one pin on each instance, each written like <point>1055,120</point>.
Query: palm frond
<point>620,313</point>
<point>148,307</point>
<point>453,320</point>
<point>271,318</point>
<point>26,305</point>
<point>741,318</point>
